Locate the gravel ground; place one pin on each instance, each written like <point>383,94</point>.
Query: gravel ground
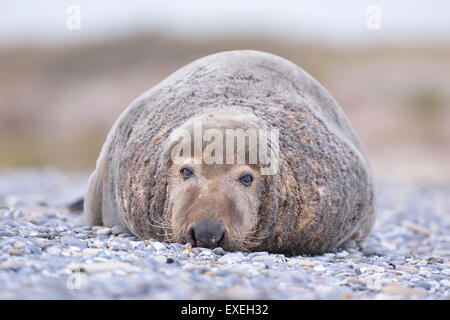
<point>47,253</point>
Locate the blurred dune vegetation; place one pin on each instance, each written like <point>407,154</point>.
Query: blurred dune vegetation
<point>58,103</point>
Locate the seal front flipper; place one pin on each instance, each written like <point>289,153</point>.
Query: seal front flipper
<point>93,201</point>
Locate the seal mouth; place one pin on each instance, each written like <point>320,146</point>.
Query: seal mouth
<point>221,242</point>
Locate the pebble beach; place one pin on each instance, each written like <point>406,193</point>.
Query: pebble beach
<point>46,252</point>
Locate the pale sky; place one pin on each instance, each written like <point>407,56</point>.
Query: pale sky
<point>331,21</point>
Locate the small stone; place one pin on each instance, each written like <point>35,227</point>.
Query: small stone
<point>415,227</point>
<point>319,268</point>
<point>263,259</point>
<point>170,260</point>
<point>368,252</point>
<point>355,282</point>
<point>8,215</point>
<point>71,241</point>
<point>98,244</point>
<point>103,231</point>
<point>254,254</point>
<point>232,258</point>
<point>160,259</point>
<point>422,284</point>
<point>342,254</point>
<point>139,253</point>
<point>92,251</point>
<point>303,263</point>
<point>158,246</point>
<point>19,245</point>
<point>114,246</point>
<point>53,250</point>
<point>218,251</point>
<point>104,267</point>
<point>446,271</point>
<point>123,241</point>
<point>425,274</point>
<point>176,247</point>
<point>407,268</point>
<point>61,229</point>
<point>396,289</point>
<point>118,230</point>
<point>7,234</point>
<point>17,252</point>
<point>17,214</point>
<point>445,282</point>
<point>44,235</point>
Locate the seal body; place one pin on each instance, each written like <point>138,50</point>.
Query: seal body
<point>320,194</point>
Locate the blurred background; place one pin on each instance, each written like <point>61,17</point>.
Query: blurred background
<point>69,68</point>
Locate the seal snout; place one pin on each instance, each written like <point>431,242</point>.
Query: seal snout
<point>208,234</point>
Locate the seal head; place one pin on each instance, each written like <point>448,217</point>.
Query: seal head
<point>214,196</point>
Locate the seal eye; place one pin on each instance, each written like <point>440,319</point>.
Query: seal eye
<point>246,180</point>
<point>186,173</point>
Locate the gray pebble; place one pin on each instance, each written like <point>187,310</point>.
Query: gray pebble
<point>218,251</point>
<point>422,284</point>
<point>118,230</point>
<point>158,246</point>
<point>103,231</point>
<point>231,258</point>
<point>254,254</point>
<point>7,234</point>
<point>342,254</point>
<point>115,246</point>
<point>17,214</point>
<point>54,250</point>
<point>71,241</point>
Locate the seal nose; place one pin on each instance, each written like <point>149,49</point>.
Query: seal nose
<point>207,234</point>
